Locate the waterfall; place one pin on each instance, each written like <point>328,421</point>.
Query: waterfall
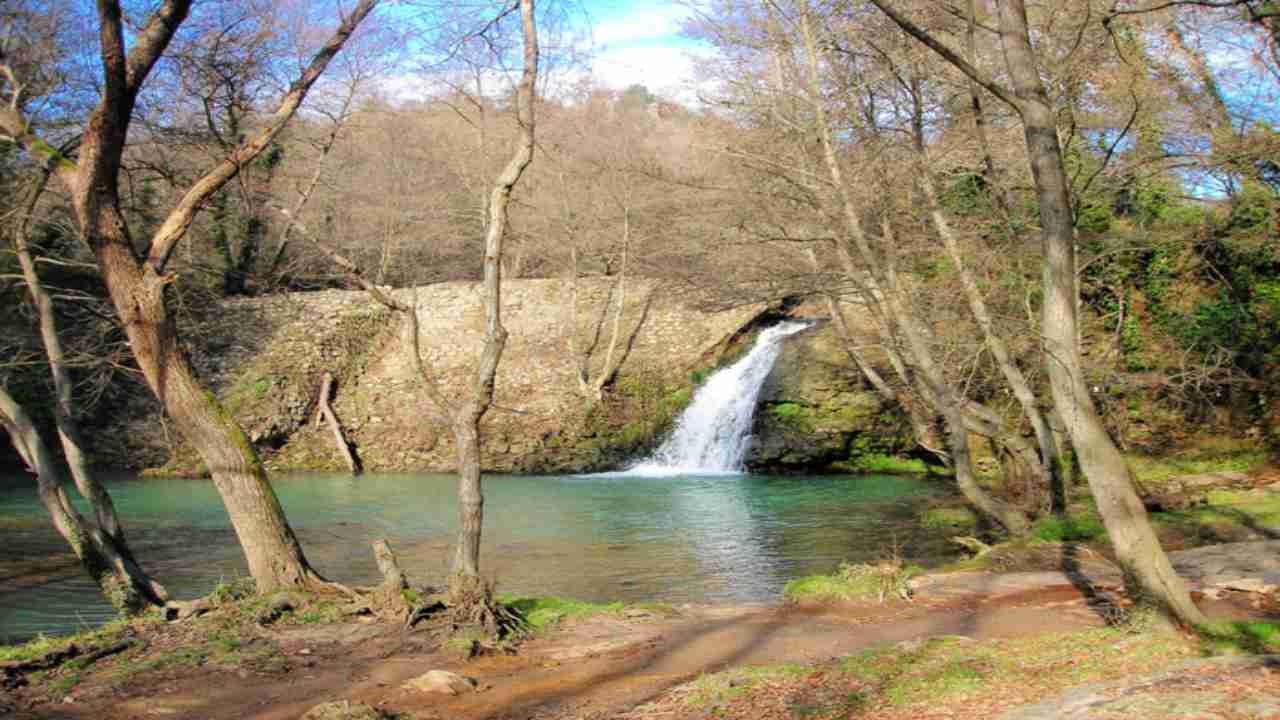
<point>712,435</point>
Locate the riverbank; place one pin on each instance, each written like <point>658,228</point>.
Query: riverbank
<point>966,645</point>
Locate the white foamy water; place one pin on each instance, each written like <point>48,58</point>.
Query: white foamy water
<point>713,434</point>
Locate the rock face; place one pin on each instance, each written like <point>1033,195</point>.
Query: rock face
<point>817,414</point>
<point>265,358</point>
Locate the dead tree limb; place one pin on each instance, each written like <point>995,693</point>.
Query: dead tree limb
<point>339,438</point>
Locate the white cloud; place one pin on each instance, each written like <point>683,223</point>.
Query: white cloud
<point>667,71</point>
<point>656,22</point>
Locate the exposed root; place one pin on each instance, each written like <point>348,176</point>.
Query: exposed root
<point>472,607</point>
<point>972,544</point>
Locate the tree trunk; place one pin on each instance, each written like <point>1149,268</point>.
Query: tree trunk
<point>989,168</point>
<point>1145,563</point>
<point>466,425</point>
<point>466,435</point>
<point>274,555</point>
<point>885,290</point>
<point>1050,460</point>
<point>393,578</point>
<point>90,488</point>
<point>122,582</point>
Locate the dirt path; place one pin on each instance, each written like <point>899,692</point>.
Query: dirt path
<point>595,668</point>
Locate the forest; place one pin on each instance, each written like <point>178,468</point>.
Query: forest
<point>1039,238</point>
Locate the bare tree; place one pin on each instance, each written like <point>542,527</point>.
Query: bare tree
<point>137,281</point>
<point>100,544</point>
<point>1137,548</point>
<point>471,598</point>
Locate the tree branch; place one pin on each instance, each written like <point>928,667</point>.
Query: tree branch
<point>949,55</point>
<point>184,213</point>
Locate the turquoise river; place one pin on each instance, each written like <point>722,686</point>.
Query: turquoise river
<point>616,537</point>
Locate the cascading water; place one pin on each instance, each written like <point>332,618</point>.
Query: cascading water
<point>713,434</point>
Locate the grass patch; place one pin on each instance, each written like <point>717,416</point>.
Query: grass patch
<point>958,669</point>
<point>319,613</point>
<point>1228,458</point>
<point>660,609</point>
<point>106,634</point>
<point>1074,528</point>
<point>717,688</point>
<point>234,590</point>
<point>864,581</point>
<point>1242,638</point>
<point>960,519</point>
<point>940,677</point>
<point>1227,515</point>
<point>542,613</point>
<point>545,612</point>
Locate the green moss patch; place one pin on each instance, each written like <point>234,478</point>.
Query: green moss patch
<point>954,519</point>
<point>886,580</point>
<point>543,613</point>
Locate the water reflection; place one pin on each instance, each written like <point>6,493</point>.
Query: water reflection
<point>592,537</point>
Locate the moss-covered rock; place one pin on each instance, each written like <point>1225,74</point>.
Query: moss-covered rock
<point>816,414</point>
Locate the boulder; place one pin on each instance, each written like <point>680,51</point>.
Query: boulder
<point>343,710</point>
<point>442,681</point>
<point>816,413</point>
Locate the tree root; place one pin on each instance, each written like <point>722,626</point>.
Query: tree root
<point>11,674</point>
<point>472,606</point>
<point>973,545</point>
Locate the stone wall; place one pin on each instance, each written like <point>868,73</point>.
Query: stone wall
<point>265,357</point>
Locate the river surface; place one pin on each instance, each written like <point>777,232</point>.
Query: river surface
<point>599,538</point>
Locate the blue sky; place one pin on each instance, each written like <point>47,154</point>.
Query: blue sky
<point>637,41</point>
